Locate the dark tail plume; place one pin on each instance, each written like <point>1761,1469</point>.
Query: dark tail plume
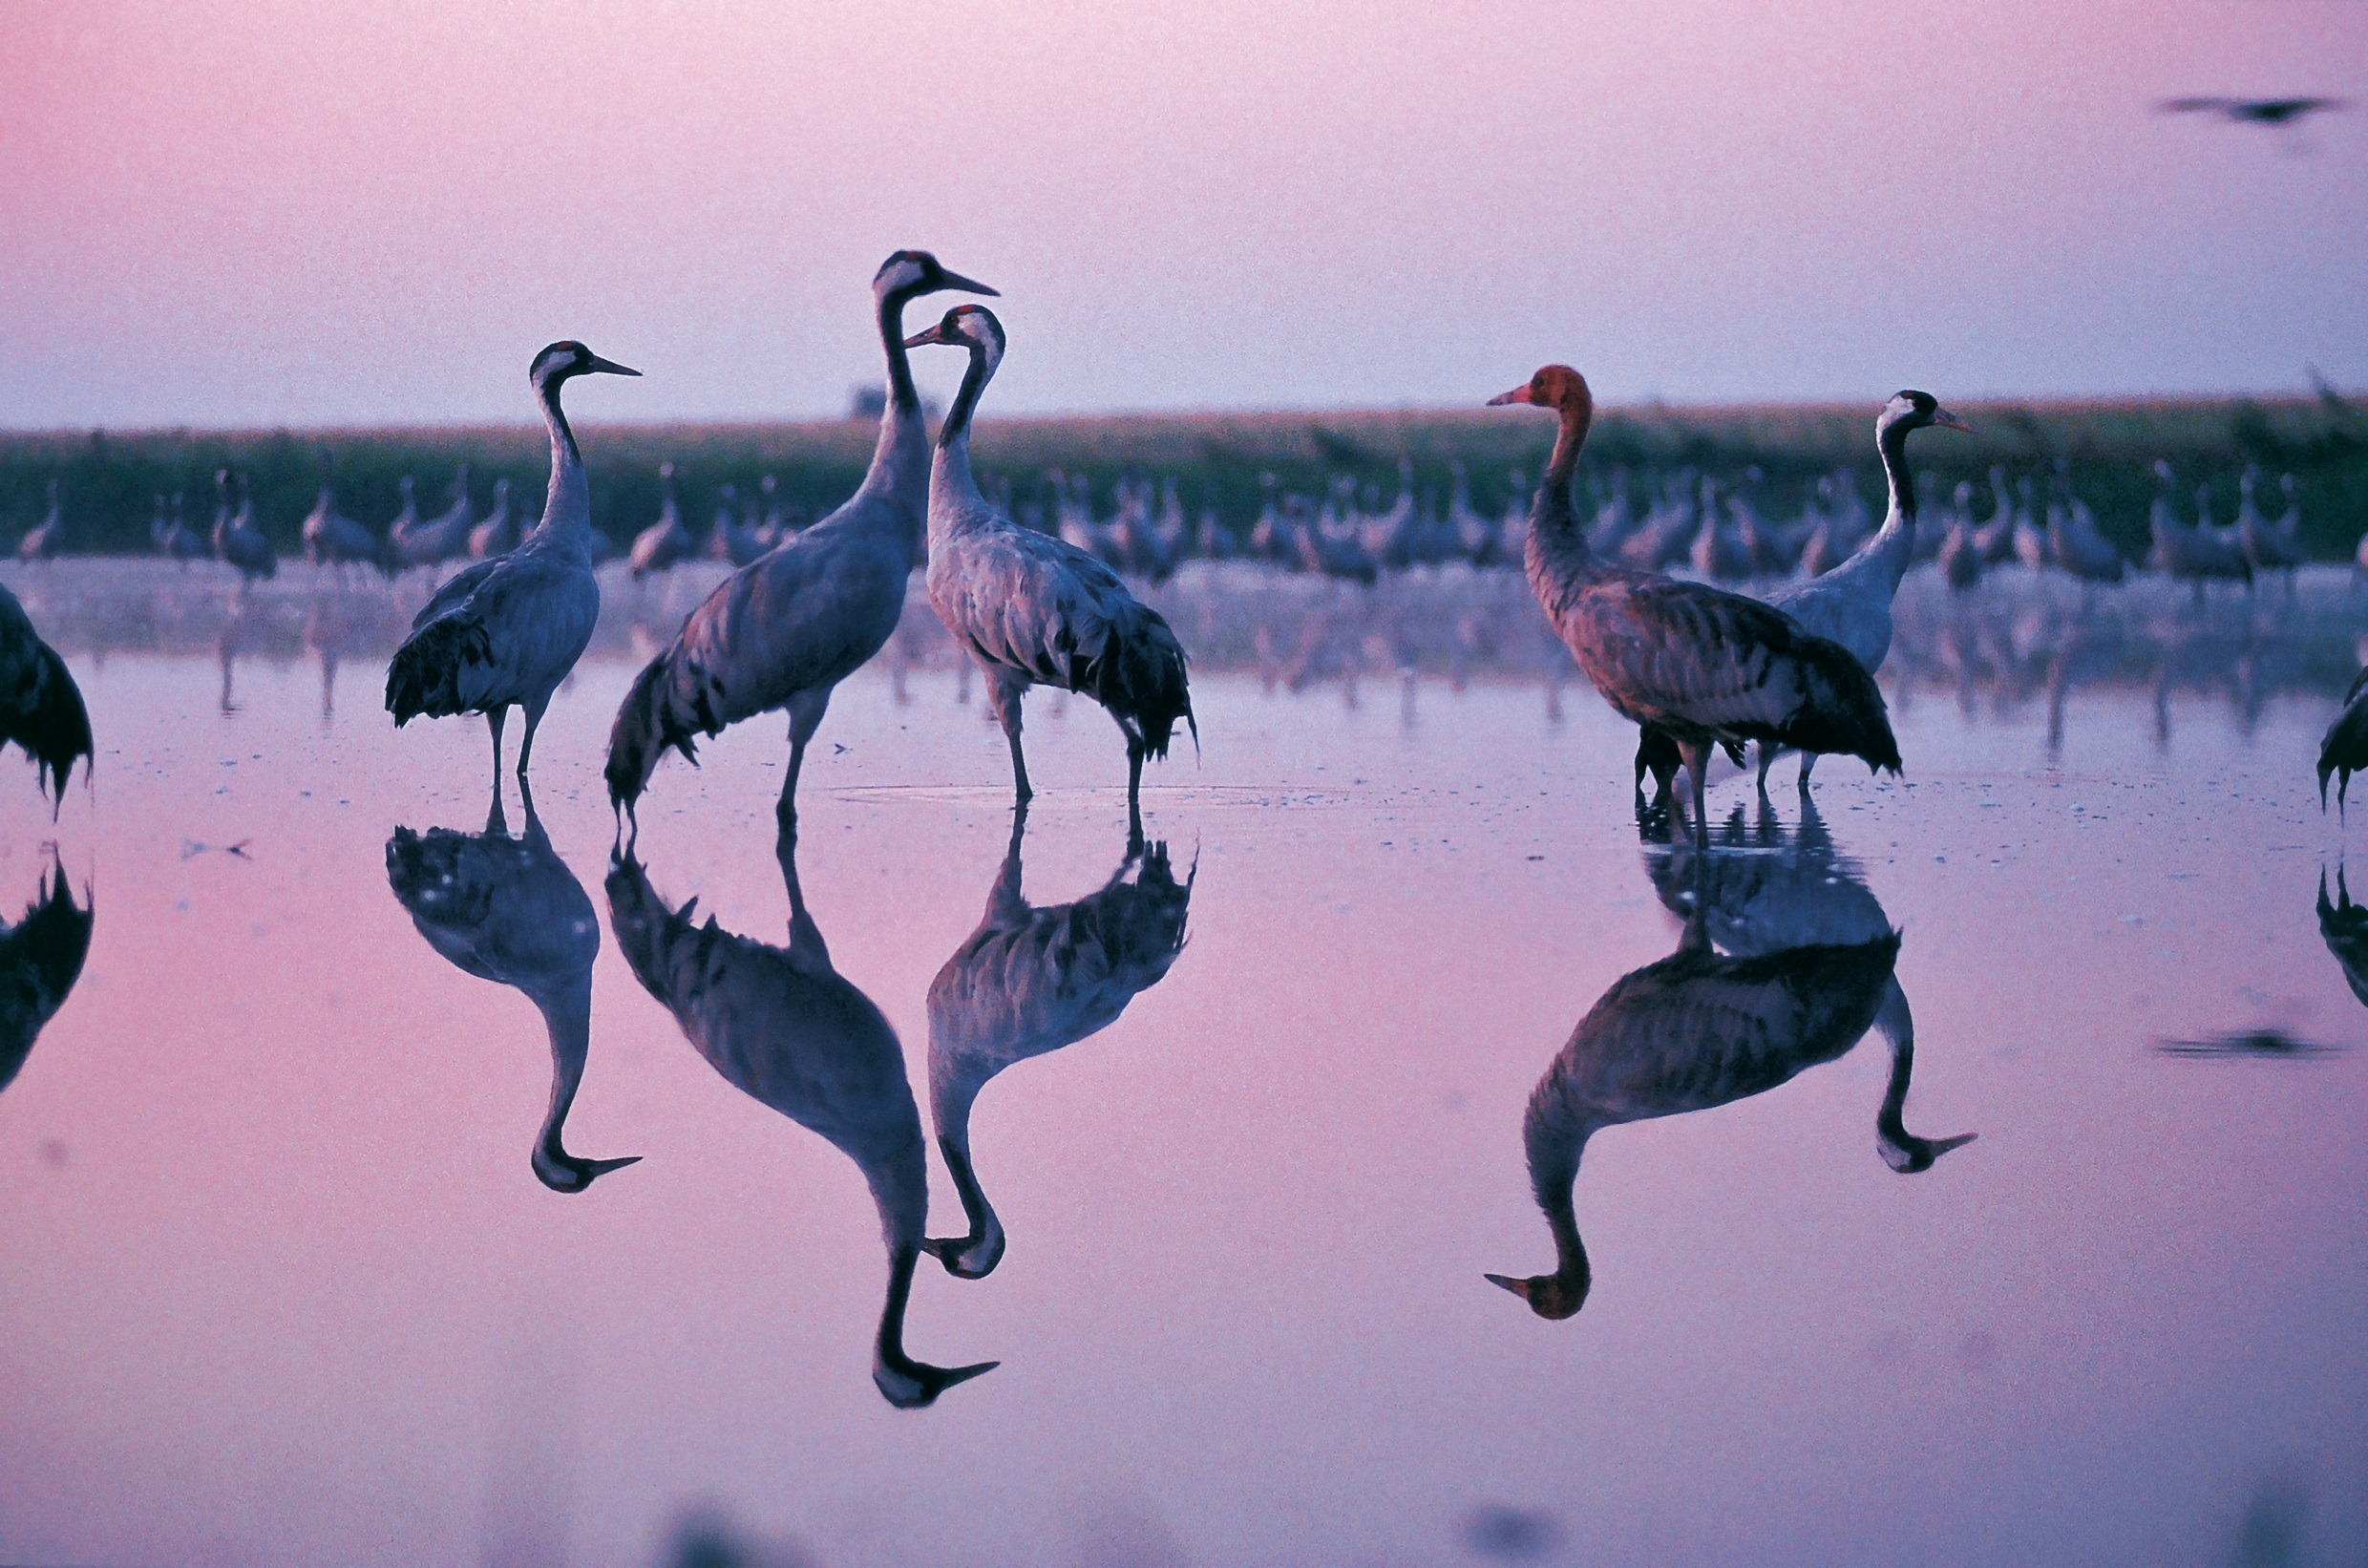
<point>46,718</point>
<point>425,676</point>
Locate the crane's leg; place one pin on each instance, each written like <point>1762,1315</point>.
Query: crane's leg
<point>1809,760</point>
<point>1697,755</point>
<point>806,711</point>
<point>1768,755</point>
<point>1135,794</point>
<point>493,717</point>
<point>526,747</point>
<point>1002,694</point>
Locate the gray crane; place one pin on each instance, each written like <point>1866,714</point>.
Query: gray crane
<point>331,539</point>
<point>440,539</point>
<point>40,707</point>
<point>1031,609</point>
<point>1851,605</point>
<point>506,631</point>
<point>46,540</point>
<point>499,534</point>
<point>1029,981</point>
<point>237,540</point>
<point>1703,667</point>
<point>509,910</point>
<point>784,1027</point>
<point>781,632</point>
<point>658,547</point>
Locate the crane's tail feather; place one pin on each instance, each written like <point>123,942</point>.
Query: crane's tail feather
<point>1844,711</point>
<point>424,677</point>
<point>46,717</point>
<point>649,722</point>
<point>1141,676</point>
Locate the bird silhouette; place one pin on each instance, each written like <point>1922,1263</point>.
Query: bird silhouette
<point>2273,112</point>
<point>509,910</point>
<point>1031,980</point>
<point>40,958</point>
<point>783,1026</point>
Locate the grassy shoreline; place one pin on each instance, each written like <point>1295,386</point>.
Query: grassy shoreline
<point>2109,446</point>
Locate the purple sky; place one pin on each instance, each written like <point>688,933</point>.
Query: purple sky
<point>307,214</point>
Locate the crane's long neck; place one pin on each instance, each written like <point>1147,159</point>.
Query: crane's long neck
<point>567,1017</point>
<point>567,507</point>
<point>1894,545</point>
<point>950,479</point>
<point>900,470</point>
<point>1557,539</point>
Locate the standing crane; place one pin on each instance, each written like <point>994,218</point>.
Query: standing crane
<point>506,631</point>
<point>236,537</point>
<point>1851,605</point>
<point>781,632</point>
<point>1031,609</point>
<point>1703,667</point>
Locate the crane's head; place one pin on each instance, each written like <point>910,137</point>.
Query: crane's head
<point>971,327</point>
<point>1916,410</point>
<point>1558,1295</point>
<point>910,273</point>
<point>568,357</point>
<point>564,1173</point>
<point>1553,386</point>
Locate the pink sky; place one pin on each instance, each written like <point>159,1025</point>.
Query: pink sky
<point>291,213</point>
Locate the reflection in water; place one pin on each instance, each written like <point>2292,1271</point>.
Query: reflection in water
<point>40,960</point>
<point>509,910</point>
<point>1032,980</point>
<point>2343,926</point>
<point>785,1029</point>
<point>1786,960</point>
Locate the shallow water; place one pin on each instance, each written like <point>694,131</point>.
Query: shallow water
<point>281,1285</point>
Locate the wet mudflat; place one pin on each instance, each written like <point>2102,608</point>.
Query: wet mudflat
<point>1397,995</point>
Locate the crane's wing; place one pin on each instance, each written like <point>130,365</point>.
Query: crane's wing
<point>460,587</point>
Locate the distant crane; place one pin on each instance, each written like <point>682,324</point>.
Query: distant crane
<point>784,630</point>
<point>1031,609</point>
<point>658,547</point>
<point>46,540</point>
<point>331,539</point>
<point>1704,666</point>
<point>236,537</point>
<point>506,631</point>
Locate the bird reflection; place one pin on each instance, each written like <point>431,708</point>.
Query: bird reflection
<point>785,1029</point>
<point>40,960</point>
<point>1031,980</point>
<point>509,910</point>
<point>1786,959</point>
<point>2343,926</point>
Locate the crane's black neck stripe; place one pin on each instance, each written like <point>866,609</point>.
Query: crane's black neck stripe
<point>903,396</point>
<point>965,401</point>
<point>549,393</point>
<point>1893,443</point>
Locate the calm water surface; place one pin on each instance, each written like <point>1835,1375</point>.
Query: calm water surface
<point>1257,1111</point>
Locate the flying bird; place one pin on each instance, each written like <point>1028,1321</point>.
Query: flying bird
<point>2254,111</point>
<point>781,632</point>
<point>1032,609</point>
<point>506,631</point>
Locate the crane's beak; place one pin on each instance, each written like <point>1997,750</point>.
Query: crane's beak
<point>601,1166</point>
<point>931,334</point>
<point>968,285</point>
<point>609,367</point>
<point>1950,421</point>
<point>1520,394</point>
